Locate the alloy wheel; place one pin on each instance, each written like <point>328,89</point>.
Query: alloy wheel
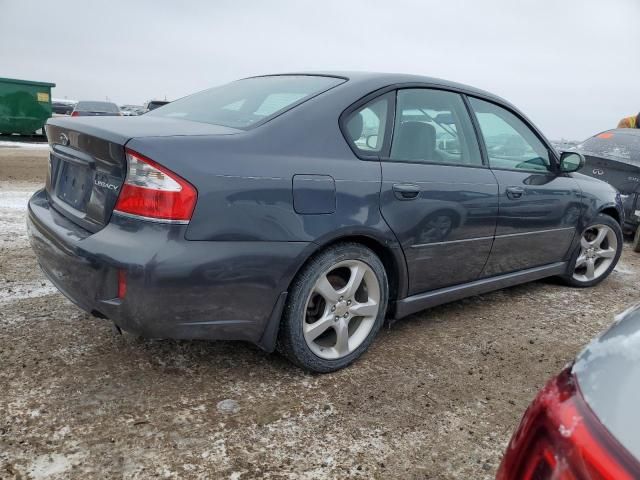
<point>598,247</point>
<point>341,309</point>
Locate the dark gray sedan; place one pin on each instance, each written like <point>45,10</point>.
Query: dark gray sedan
<point>584,423</point>
<point>299,211</point>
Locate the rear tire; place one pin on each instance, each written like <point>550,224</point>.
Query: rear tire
<point>597,254</point>
<point>336,306</point>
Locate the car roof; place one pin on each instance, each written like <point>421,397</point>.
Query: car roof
<point>635,132</point>
<point>101,102</point>
<point>387,79</point>
<point>617,145</point>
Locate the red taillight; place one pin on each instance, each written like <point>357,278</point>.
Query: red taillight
<point>561,438</point>
<point>122,283</point>
<point>152,191</point>
<point>75,114</point>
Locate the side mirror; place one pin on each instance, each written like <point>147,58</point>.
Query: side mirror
<point>571,162</point>
<point>372,141</point>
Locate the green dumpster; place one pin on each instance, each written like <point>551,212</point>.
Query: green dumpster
<point>24,105</point>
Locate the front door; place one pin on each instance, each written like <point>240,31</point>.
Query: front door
<point>539,207</point>
<point>437,196</point>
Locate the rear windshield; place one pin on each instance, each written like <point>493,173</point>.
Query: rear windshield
<point>97,107</point>
<point>616,145</point>
<point>157,103</point>
<point>244,103</point>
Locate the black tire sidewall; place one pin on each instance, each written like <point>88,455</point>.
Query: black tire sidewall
<point>636,240</point>
<point>600,219</point>
<point>291,341</point>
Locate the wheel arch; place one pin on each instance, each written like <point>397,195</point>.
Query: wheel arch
<point>391,257</point>
<point>389,252</point>
<point>612,212</point>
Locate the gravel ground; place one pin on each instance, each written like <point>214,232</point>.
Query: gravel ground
<point>437,395</point>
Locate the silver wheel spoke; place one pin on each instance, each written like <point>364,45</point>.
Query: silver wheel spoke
<point>608,253</point>
<point>342,337</point>
<point>357,274</point>
<point>602,233</point>
<point>591,268</point>
<point>315,329</point>
<point>324,288</point>
<point>595,261</point>
<point>369,309</point>
<point>326,328</point>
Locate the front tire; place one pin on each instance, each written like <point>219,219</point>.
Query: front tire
<point>597,254</point>
<point>336,306</point>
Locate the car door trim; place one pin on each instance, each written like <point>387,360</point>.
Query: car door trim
<point>449,242</point>
<point>533,232</point>
<point>421,301</point>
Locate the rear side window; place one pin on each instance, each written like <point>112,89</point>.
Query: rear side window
<point>365,128</point>
<point>433,126</point>
<point>243,103</point>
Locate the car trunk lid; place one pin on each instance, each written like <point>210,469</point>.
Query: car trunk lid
<point>622,175</point>
<point>88,166</point>
<point>85,175</point>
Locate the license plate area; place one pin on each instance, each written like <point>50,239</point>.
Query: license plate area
<point>74,185</point>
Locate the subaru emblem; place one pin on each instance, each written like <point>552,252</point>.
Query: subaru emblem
<point>64,140</point>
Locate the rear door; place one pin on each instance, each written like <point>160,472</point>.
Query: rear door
<point>436,194</point>
<point>539,206</point>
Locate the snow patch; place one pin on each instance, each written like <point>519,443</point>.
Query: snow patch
<point>15,199</point>
<point>623,270</point>
<point>13,211</point>
<point>26,145</point>
<point>12,292</point>
<point>45,466</point>
<point>622,346</point>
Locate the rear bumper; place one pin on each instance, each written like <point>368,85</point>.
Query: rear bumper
<point>175,288</point>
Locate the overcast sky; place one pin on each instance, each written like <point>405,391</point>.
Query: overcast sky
<point>573,66</point>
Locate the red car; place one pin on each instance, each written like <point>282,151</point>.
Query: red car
<point>585,423</point>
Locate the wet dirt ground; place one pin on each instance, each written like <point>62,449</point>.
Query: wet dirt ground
<point>437,396</point>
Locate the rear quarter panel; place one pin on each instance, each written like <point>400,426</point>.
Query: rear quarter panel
<point>245,181</point>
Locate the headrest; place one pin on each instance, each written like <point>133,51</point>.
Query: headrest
<point>414,141</point>
<point>355,125</point>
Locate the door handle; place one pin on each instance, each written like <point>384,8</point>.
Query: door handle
<point>515,193</point>
<point>406,191</point>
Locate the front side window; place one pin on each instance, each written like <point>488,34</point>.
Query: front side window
<point>365,128</point>
<point>510,143</point>
<point>432,126</point>
<point>243,103</point>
